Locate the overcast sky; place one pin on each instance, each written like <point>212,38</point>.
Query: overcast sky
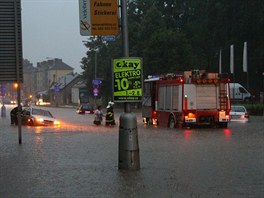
<point>50,28</point>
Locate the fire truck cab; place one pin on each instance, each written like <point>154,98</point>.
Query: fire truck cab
<point>192,98</point>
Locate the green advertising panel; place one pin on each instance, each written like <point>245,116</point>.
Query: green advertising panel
<point>127,79</point>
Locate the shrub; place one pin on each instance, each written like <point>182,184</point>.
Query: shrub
<point>255,109</point>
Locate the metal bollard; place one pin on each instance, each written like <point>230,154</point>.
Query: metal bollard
<point>3,111</point>
<point>128,156</point>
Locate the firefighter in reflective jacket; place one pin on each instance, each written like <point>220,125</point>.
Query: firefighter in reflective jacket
<point>110,118</point>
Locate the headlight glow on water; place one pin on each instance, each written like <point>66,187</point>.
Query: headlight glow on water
<point>39,120</point>
<point>56,122</point>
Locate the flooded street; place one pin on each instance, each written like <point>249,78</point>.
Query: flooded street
<point>80,159</point>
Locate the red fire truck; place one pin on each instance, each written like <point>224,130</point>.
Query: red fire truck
<point>192,98</point>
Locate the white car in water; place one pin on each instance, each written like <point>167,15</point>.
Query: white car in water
<point>239,113</point>
<point>38,117</point>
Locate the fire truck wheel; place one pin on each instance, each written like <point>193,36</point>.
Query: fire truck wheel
<point>171,122</point>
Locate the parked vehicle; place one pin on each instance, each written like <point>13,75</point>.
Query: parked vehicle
<point>38,117</point>
<point>239,113</point>
<point>85,108</point>
<point>188,99</point>
<point>13,101</point>
<point>239,93</point>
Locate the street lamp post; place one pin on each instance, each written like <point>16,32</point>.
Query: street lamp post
<point>95,64</point>
<point>262,92</point>
<point>95,71</point>
<point>128,155</point>
<point>3,108</point>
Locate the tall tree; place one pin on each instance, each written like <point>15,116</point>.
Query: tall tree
<point>172,35</point>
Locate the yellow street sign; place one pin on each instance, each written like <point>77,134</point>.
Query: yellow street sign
<point>98,17</point>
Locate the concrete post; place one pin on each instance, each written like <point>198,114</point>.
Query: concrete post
<point>128,156</point>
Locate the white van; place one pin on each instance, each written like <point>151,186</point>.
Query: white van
<point>238,92</point>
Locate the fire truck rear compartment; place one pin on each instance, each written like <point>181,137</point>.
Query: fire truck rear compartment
<point>208,120</point>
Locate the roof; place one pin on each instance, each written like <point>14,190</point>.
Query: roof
<point>65,81</point>
<point>53,64</point>
<point>80,84</point>
<point>61,66</point>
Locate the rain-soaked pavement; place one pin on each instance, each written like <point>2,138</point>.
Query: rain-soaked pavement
<point>81,160</point>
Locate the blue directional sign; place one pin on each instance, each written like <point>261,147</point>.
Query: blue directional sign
<point>108,38</point>
<point>56,88</point>
<point>97,82</point>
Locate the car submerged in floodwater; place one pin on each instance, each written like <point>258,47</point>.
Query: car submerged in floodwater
<point>38,117</point>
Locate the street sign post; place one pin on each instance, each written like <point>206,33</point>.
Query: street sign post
<point>3,108</point>
<point>127,69</point>
<point>96,88</point>
<point>95,91</point>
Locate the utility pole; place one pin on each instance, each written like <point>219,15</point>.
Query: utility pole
<point>95,74</point>
<point>128,156</point>
<point>18,77</point>
<point>95,64</point>
<point>3,108</point>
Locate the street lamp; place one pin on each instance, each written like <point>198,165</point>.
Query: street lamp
<point>15,85</point>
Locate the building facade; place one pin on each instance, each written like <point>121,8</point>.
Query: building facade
<point>50,72</point>
<point>61,92</point>
<point>38,80</point>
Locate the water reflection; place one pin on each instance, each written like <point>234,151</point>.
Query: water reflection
<point>228,133</point>
<point>71,127</point>
<point>38,129</point>
<point>39,139</point>
<point>204,132</point>
<point>187,133</point>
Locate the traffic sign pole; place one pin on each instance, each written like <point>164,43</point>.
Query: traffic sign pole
<point>3,108</point>
<point>96,84</point>
<point>128,155</point>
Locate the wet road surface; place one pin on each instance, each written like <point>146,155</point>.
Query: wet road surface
<point>79,159</point>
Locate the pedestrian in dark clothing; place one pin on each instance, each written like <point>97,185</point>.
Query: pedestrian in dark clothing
<point>13,116</point>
